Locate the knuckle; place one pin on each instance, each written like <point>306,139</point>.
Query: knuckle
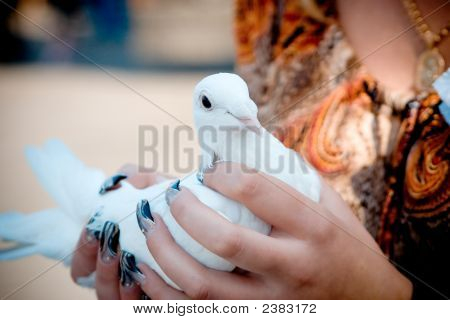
<point>297,276</point>
<point>230,245</point>
<point>325,232</point>
<point>200,291</point>
<point>296,264</point>
<point>247,185</point>
<point>276,262</point>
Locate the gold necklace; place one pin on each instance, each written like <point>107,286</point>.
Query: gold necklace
<point>431,63</point>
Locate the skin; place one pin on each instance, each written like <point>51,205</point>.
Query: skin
<point>394,65</point>
<point>314,251</point>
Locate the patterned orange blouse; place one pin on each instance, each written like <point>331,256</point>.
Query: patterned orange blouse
<point>386,153</point>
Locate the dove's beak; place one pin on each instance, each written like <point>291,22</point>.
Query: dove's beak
<point>251,124</point>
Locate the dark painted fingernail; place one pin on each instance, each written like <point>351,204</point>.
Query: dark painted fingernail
<point>94,226</point>
<point>109,241</point>
<point>129,272</point>
<point>172,192</point>
<point>144,216</point>
<point>111,183</point>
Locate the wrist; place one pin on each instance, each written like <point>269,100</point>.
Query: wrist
<point>403,290</point>
<point>379,279</point>
<point>395,285</point>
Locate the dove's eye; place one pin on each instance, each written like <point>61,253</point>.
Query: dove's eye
<point>206,103</point>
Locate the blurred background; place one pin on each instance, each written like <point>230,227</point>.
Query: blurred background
<point>53,83</point>
<point>178,35</point>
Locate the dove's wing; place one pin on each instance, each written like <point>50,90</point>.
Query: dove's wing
<point>72,185</point>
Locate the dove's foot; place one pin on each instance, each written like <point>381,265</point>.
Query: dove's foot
<point>112,183</point>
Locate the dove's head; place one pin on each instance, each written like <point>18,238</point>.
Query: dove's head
<point>222,101</point>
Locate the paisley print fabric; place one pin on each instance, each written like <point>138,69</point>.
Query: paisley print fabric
<point>385,152</point>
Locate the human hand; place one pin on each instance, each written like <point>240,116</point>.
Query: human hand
<point>314,251</point>
<point>102,255</point>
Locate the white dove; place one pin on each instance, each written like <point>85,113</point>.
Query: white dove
<point>228,130</point>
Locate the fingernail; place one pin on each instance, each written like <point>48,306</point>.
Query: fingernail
<point>172,192</point>
<point>111,182</point>
<point>144,217</point>
<point>109,241</point>
<point>94,226</point>
<point>129,272</point>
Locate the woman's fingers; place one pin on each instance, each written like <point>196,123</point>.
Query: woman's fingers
<point>156,288</point>
<point>132,292</point>
<point>269,198</point>
<point>85,257</point>
<point>141,178</point>
<point>130,277</point>
<point>333,201</point>
<point>197,281</point>
<point>107,269</point>
<point>243,247</point>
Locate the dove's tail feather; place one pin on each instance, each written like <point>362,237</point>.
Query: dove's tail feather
<point>48,232</point>
<point>53,232</point>
<point>72,185</point>
<point>17,252</point>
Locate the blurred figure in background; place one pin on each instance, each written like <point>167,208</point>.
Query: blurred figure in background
<point>135,34</point>
<point>79,23</point>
